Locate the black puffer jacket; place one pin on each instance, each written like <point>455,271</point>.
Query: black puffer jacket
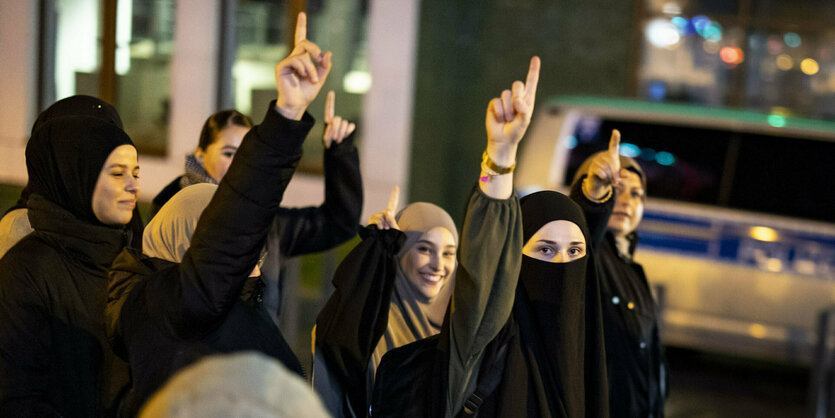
<point>163,316</point>
<point>306,230</point>
<point>54,358</point>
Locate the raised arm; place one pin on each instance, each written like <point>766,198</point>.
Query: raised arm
<point>356,315</point>
<point>232,229</point>
<point>491,242</point>
<point>594,189</point>
<point>319,228</point>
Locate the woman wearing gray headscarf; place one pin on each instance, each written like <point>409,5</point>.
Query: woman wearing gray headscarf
<point>391,290</point>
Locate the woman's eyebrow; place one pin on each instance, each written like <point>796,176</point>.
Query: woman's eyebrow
<point>229,147</point>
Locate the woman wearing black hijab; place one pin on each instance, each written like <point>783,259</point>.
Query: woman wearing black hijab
<point>15,223</point>
<point>54,358</point>
<point>524,335</point>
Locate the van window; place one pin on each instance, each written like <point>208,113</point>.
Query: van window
<point>778,175</point>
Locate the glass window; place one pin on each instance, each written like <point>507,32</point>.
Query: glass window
<point>144,44</point>
<point>73,50</point>
<point>675,159</point>
<point>263,33</point>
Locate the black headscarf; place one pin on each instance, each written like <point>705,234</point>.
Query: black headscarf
<point>78,105</point>
<point>557,367</point>
<point>64,158</point>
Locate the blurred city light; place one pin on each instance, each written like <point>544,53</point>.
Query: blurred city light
<point>710,47</point>
<point>671,8</point>
<point>776,121</point>
<point>762,233</point>
<point>785,62</point>
<point>357,82</point>
<point>792,39</point>
<point>713,32</point>
<point>661,33</point>
<point>570,142</point>
<point>648,154</point>
<point>757,331</point>
<point>665,158</point>
<point>732,55</point>
<point>809,66</point>
<point>629,150</point>
<point>700,23</point>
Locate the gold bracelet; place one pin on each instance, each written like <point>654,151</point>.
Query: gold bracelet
<point>494,169</point>
<point>586,185</point>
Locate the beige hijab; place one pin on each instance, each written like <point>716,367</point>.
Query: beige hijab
<point>412,316</point>
<point>168,235</point>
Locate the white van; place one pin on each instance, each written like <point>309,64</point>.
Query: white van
<point>738,235</point>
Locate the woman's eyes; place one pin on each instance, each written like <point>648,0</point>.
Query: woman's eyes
<point>423,249</point>
<point>576,251</point>
<point>546,251</point>
<point>228,154</point>
<point>449,254</point>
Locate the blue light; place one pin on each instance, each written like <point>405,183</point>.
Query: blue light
<point>657,90</point>
<point>629,150</point>
<point>713,32</point>
<point>792,39</point>
<point>680,22</point>
<point>648,154</point>
<point>700,23</point>
<point>571,142</point>
<point>665,158</point>
<point>776,121</point>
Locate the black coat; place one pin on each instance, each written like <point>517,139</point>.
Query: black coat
<point>635,358</point>
<point>312,229</point>
<point>164,316</point>
<point>54,357</point>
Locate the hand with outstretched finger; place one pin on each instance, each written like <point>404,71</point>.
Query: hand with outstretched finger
<point>297,78</point>
<point>336,128</point>
<point>385,219</point>
<point>604,169</point>
<point>509,116</point>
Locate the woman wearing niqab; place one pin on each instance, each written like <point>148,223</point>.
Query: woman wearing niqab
<point>377,306</point>
<point>54,358</point>
<point>524,335</point>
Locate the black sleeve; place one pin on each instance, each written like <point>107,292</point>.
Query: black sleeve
<point>233,227</point>
<point>597,214</point>
<point>355,317</point>
<point>319,228</point>
<point>25,342</point>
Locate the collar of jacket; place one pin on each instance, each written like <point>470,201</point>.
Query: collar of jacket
<point>632,237</point>
<point>95,245</point>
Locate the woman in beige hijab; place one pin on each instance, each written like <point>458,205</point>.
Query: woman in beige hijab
<point>391,290</point>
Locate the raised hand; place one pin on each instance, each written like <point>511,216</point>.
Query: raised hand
<point>336,128</point>
<point>604,169</point>
<point>297,78</point>
<point>509,115</point>
<point>385,219</point>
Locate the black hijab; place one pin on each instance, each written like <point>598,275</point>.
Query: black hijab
<point>78,105</point>
<point>64,158</point>
<point>556,366</point>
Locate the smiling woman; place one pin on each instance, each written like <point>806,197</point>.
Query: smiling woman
<point>83,191</point>
<point>114,197</point>
<point>391,290</point>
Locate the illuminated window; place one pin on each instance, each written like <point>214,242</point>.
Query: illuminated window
<point>72,61</point>
<point>768,55</point>
<point>262,36</point>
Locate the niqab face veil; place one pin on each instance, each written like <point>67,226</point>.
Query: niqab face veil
<point>560,342</point>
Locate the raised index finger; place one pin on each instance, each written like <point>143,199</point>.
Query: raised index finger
<point>301,28</point>
<point>532,80</point>
<point>393,198</point>
<point>614,143</point>
<point>329,104</point>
